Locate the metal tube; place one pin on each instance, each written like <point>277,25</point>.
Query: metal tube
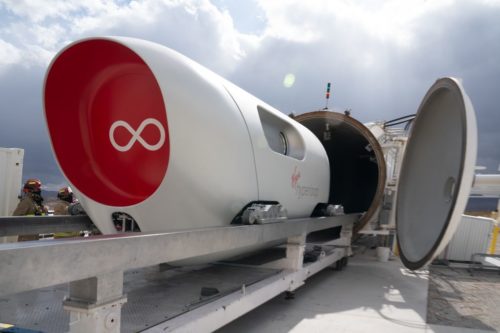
<point>357,164</point>
<point>486,180</point>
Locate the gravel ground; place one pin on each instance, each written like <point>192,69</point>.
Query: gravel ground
<point>458,299</point>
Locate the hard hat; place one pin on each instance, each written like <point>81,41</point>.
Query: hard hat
<point>65,193</point>
<point>32,185</point>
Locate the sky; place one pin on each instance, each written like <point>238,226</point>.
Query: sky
<point>380,56</point>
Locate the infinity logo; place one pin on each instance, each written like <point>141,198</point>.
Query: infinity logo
<point>136,135</point>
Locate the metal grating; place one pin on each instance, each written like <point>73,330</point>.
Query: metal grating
<point>153,296</point>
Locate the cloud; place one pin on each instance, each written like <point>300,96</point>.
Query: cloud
<point>390,20</point>
<point>9,54</point>
<point>196,28</point>
<point>381,57</point>
<point>39,12</point>
<point>32,32</point>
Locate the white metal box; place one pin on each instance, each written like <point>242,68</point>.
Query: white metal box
<point>473,235</point>
<point>11,170</point>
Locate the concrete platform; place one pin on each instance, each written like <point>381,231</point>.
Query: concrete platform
<point>368,296</point>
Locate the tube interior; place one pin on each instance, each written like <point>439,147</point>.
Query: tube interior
<point>357,165</point>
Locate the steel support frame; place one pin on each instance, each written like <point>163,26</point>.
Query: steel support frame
<point>216,314</point>
<point>30,225</point>
<point>94,266</point>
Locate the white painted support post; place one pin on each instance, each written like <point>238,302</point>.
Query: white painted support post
<point>345,238</point>
<point>95,304</point>
<point>295,248</point>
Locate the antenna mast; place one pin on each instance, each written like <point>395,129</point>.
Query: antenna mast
<point>328,85</point>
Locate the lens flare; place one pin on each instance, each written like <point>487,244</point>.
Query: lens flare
<point>289,80</point>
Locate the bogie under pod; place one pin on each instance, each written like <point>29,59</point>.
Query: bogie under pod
<point>357,164</point>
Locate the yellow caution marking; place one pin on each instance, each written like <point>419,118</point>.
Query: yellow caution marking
<point>6,325</point>
<point>494,238</point>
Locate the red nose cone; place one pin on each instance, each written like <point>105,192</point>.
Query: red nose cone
<point>107,121</point>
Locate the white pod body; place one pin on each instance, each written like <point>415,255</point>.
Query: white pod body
<point>163,139</point>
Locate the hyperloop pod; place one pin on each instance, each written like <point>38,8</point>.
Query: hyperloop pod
<point>139,129</point>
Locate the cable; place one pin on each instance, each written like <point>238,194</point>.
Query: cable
<point>401,120</point>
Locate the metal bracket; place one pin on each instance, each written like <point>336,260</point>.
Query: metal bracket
<point>264,213</point>
<point>95,303</point>
<point>295,248</point>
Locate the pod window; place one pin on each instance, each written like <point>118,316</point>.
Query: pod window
<point>282,137</point>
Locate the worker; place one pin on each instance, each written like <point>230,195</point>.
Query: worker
<point>61,206</point>
<point>64,199</point>
<point>31,204</point>
<point>31,200</point>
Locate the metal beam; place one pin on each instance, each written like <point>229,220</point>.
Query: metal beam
<point>29,225</point>
<point>218,313</point>
<point>32,265</point>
